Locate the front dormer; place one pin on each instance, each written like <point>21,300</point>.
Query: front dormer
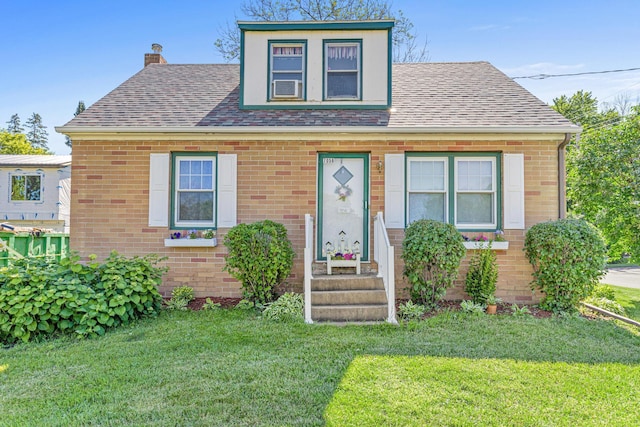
<point>308,65</point>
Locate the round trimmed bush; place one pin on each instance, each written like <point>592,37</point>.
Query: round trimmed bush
<point>260,256</point>
<point>432,251</point>
<point>568,258</point>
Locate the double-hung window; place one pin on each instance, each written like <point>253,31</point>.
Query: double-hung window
<point>25,187</point>
<point>427,188</point>
<point>194,190</point>
<point>457,189</point>
<point>287,65</point>
<point>342,69</point>
<point>475,189</point>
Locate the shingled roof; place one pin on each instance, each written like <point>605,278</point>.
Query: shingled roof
<point>425,95</point>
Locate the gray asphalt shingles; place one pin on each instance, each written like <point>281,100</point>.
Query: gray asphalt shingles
<point>473,94</point>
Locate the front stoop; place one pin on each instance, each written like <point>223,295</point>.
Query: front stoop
<point>348,298</point>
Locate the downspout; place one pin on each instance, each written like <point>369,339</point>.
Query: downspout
<point>562,176</point>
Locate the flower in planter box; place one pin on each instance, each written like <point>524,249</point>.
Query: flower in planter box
<point>193,234</point>
<point>208,234</point>
<point>499,236</point>
<point>175,235</point>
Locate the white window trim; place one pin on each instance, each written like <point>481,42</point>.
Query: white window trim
<point>27,174</point>
<point>357,71</point>
<point>444,160</point>
<point>493,191</point>
<point>272,72</point>
<point>176,176</point>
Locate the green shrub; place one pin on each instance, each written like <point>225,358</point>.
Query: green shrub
<point>41,297</point>
<point>432,252</point>
<point>289,307</point>
<point>210,305</point>
<point>260,256</point>
<point>130,285</point>
<point>245,304</point>
<point>409,311</point>
<point>568,259</point>
<point>603,291</point>
<point>606,304</point>
<point>469,306</point>
<point>181,296</point>
<point>520,311</point>
<point>482,275</point>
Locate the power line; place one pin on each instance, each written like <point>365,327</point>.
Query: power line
<point>546,76</point>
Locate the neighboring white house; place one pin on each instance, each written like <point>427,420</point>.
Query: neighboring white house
<point>35,191</point>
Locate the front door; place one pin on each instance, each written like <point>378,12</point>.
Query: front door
<point>343,203</point>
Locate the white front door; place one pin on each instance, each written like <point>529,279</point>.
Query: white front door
<point>343,203</point>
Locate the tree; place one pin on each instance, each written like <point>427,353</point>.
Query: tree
<point>14,124</point>
<point>604,182</point>
<point>582,108</point>
<point>16,143</point>
<point>79,109</point>
<point>405,40</point>
<point>622,103</point>
<point>36,131</point>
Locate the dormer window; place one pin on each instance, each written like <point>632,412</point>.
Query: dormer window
<point>342,69</point>
<point>287,65</point>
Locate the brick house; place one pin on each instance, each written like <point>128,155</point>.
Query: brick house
<point>318,130</point>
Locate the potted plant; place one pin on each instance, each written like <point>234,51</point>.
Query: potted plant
<point>482,276</point>
<point>492,303</point>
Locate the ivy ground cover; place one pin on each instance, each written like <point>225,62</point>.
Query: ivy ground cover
<point>234,368</point>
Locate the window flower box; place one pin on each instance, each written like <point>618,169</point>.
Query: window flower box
<point>191,243</point>
<point>496,246</point>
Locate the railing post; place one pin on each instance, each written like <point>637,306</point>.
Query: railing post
<point>391,277</point>
<point>384,256</point>
<point>308,264</point>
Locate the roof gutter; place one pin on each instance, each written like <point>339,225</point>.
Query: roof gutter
<point>562,175</point>
<point>316,129</point>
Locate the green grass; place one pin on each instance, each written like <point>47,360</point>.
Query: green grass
<point>233,368</point>
<point>629,298</point>
<point>407,391</point>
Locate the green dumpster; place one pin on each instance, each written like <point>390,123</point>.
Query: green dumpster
<point>31,245</point>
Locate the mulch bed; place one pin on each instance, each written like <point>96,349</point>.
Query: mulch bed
<point>502,309</point>
<point>197,304</point>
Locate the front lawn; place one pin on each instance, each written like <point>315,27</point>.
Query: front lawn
<point>629,298</point>
<point>233,368</point>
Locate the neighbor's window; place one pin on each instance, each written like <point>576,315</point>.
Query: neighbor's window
<point>287,67</point>
<point>26,188</point>
<point>342,70</point>
<point>194,195</point>
<point>460,190</point>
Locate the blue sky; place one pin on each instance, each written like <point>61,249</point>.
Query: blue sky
<point>55,53</point>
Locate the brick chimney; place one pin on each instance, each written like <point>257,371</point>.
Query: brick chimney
<point>155,57</point>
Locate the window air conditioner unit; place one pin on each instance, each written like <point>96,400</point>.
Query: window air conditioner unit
<point>285,89</point>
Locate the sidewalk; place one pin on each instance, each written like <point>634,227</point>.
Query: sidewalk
<point>628,277</point>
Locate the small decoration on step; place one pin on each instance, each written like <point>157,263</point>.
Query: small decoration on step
<point>342,251</point>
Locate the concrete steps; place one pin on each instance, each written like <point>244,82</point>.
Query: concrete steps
<point>348,298</point>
